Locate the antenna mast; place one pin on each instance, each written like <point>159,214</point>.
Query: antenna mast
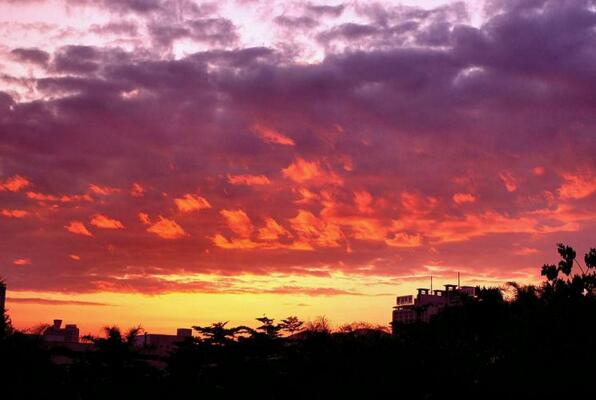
<point>457,279</point>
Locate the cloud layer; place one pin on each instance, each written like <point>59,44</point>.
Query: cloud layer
<point>358,138</point>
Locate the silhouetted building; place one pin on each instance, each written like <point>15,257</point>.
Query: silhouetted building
<point>2,296</point>
<point>55,333</point>
<point>428,303</point>
<point>162,343</point>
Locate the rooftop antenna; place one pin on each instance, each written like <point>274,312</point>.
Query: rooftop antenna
<point>431,284</point>
<point>457,279</point>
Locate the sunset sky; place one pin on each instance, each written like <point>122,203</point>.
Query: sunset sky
<point>171,163</point>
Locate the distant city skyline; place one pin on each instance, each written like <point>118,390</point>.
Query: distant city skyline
<point>173,163</point>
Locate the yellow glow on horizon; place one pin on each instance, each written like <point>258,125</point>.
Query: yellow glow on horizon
<point>166,312</point>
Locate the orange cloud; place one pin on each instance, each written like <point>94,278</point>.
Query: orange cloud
<point>235,243</point>
<point>57,198</point>
<point>77,227</point>
<point>190,203</point>
<point>137,190</point>
<point>577,186</point>
<point>363,201</point>
<point>74,257</point>
<point>21,262</point>
<point>248,244</point>
<point>364,229</point>
<point>404,240</point>
<point>491,222</point>
<point>144,218</point>
<point>102,221</point>
<point>509,181</point>
<point>307,196</point>
<point>272,230</point>
<point>238,221</point>
<point>304,171</point>
<point>14,183</point>
<point>460,198</point>
<point>14,213</point>
<point>416,203</point>
<point>271,136</point>
<point>166,228</point>
<point>248,179</point>
<point>102,190</point>
<point>313,230</point>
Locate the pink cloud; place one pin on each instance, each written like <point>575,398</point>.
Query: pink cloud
<point>14,183</point>
<point>137,190</point>
<point>538,170</point>
<point>248,179</point>
<point>14,213</point>
<point>272,136</point>
<point>461,198</point>
<point>99,190</point>
<point>509,181</point>
<point>577,186</point>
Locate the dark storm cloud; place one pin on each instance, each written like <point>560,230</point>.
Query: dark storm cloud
<point>116,28</point>
<point>296,22</point>
<point>211,31</point>
<point>325,10</point>
<point>35,56</point>
<point>137,6</point>
<point>349,31</point>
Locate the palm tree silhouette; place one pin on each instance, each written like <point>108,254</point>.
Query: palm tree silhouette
<point>218,334</point>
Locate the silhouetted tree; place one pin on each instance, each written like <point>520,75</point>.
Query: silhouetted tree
<point>360,326</point>
<point>571,284</point>
<point>218,334</point>
<point>492,295</point>
<point>590,258</point>
<point>291,325</point>
<point>319,325</point>
<point>268,328</point>
<point>114,367</point>
<point>5,325</point>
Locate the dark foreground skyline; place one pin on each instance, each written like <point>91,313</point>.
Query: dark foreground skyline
<point>496,344</point>
<point>161,159</point>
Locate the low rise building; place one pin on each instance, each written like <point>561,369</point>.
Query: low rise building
<point>162,343</point>
<point>428,303</point>
<point>55,333</point>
